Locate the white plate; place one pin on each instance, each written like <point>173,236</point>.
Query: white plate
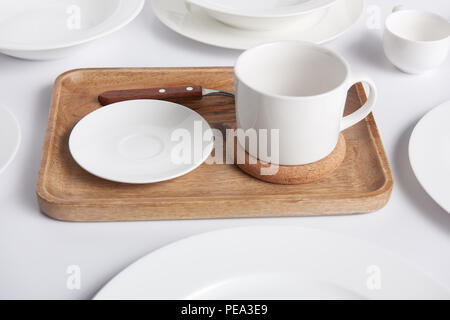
<point>10,137</point>
<point>429,154</point>
<point>49,29</point>
<point>140,141</point>
<point>270,263</point>
<point>201,27</point>
<point>264,15</point>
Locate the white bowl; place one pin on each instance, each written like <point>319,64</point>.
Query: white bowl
<point>48,29</point>
<point>416,41</point>
<point>264,15</point>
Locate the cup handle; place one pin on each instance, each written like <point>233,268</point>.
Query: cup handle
<point>366,108</point>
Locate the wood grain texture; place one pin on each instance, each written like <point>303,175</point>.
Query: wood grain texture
<point>292,174</point>
<point>159,93</point>
<point>362,183</point>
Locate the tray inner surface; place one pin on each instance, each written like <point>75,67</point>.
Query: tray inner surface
<point>364,172</point>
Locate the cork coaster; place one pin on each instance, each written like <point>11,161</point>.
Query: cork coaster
<point>294,174</point>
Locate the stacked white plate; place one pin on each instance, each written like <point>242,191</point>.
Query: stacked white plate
<point>49,29</point>
<point>240,24</point>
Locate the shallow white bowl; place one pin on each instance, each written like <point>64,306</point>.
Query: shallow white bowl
<point>48,29</point>
<point>137,141</point>
<point>264,15</point>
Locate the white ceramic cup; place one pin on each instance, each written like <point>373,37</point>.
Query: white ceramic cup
<point>415,41</point>
<point>299,88</point>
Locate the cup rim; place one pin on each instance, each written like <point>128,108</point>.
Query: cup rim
<point>422,12</point>
<point>238,75</point>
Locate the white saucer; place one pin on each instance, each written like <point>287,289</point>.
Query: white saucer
<point>201,27</point>
<point>139,141</point>
<point>49,29</point>
<point>429,154</point>
<point>264,262</point>
<point>10,137</point>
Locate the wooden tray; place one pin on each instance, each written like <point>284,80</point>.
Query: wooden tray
<point>363,182</point>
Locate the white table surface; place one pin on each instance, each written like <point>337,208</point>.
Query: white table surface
<point>35,251</point>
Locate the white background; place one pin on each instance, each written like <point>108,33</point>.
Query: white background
<point>35,250</point>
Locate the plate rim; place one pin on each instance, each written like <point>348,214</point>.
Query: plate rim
<point>398,259</point>
<point>445,104</point>
<point>137,7</point>
<point>18,142</point>
<point>180,31</point>
<point>298,9</point>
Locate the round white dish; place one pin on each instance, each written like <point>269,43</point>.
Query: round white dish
<point>48,29</point>
<point>264,15</point>
<point>416,41</point>
<point>201,27</point>
<point>281,262</point>
<point>10,137</point>
<point>140,141</point>
<point>429,154</point>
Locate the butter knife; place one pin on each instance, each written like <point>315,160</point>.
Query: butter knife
<point>160,93</point>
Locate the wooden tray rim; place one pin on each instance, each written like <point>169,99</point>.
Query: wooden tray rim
<point>46,196</point>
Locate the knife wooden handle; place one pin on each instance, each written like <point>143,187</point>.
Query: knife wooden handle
<point>160,93</point>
